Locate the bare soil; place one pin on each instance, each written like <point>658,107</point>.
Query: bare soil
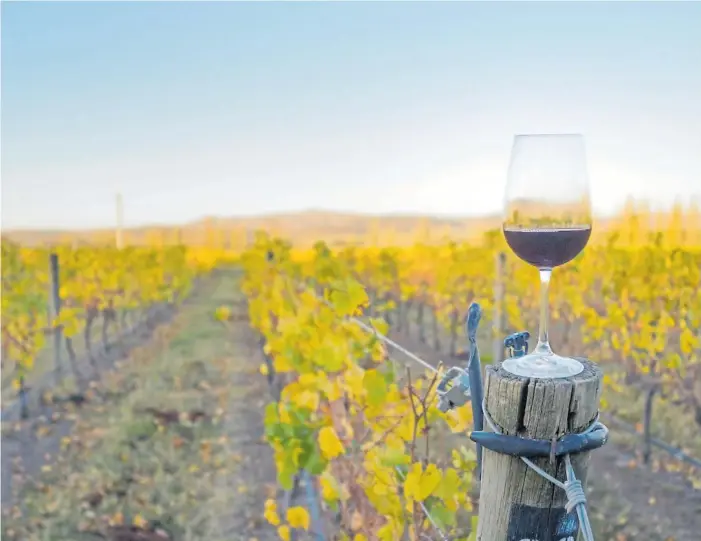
<point>207,480</point>
<point>23,451</point>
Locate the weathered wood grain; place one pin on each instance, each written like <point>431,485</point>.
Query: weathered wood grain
<point>516,503</point>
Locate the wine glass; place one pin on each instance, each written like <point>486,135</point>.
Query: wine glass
<point>547,223</point>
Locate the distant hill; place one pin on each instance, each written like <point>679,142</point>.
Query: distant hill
<point>303,228</point>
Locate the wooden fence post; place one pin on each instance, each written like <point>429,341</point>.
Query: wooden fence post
<point>435,331</point>
<point>647,424</point>
<point>420,321</point>
<point>498,322</point>
<point>516,503</point>
<point>55,311</point>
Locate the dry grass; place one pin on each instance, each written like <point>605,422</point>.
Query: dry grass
<point>149,448</point>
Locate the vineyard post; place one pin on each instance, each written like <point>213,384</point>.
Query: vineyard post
<point>498,323</point>
<point>517,503</point>
<point>55,311</point>
<point>647,424</point>
<point>118,234</point>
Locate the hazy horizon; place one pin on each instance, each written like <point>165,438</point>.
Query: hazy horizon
<point>302,212</point>
<point>194,110</point>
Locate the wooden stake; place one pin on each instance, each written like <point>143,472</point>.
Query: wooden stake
<point>118,235</point>
<point>55,312</point>
<point>516,503</point>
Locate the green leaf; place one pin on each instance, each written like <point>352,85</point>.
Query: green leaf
<point>329,356</point>
<point>348,298</point>
<point>394,457</point>
<point>441,514</point>
<point>316,464</point>
<point>376,386</point>
<point>380,325</point>
<point>271,416</point>
<point>389,373</point>
<point>286,478</point>
<point>473,533</point>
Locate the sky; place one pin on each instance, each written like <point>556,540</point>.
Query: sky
<point>225,108</point>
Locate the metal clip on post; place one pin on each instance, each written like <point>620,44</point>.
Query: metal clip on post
<point>454,389</point>
<point>517,344</point>
<point>459,385</point>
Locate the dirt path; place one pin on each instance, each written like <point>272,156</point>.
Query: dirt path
<point>626,501</point>
<point>254,480</point>
<point>127,460</point>
<point>23,451</point>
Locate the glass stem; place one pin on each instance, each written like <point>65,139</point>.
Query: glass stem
<point>543,346</point>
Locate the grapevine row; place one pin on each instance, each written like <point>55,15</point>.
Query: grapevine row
<point>635,310</point>
<point>97,285</point>
<point>345,413</point>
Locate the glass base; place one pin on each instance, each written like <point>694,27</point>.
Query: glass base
<point>543,366</point>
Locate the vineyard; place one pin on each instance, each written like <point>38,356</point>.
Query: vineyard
<point>93,293</point>
<point>339,385</point>
<point>340,351</point>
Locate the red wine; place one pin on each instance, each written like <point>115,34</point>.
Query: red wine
<point>547,247</point>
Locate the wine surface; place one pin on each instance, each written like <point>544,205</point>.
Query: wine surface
<point>547,247</point>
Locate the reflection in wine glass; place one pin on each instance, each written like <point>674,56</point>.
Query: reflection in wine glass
<point>547,223</point>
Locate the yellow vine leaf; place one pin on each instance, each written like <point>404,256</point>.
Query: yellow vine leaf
<point>222,313</point>
<point>420,484</point>
<point>405,430</point>
<point>329,443</point>
<point>284,414</point>
<point>329,488</point>
<point>349,299</point>
<point>282,364</point>
<point>448,488</point>
<point>270,512</point>
<point>297,517</point>
<point>284,532</point>
<point>391,531</point>
<point>375,386</point>
<point>331,388</point>
<point>688,341</point>
<point>461,419</point>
